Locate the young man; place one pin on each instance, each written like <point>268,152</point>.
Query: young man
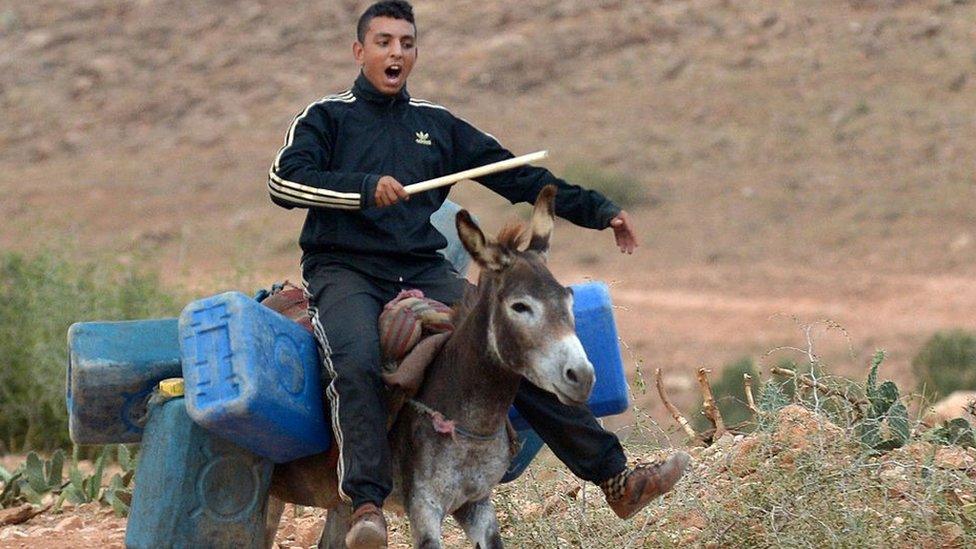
<point>346,158</point>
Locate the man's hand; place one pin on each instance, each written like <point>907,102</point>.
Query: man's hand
<point>623,232</point>
<point>389,191</point>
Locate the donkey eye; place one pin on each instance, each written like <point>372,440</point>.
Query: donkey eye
<point>521,308</point>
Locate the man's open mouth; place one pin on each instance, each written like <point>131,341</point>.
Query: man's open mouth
<point>393,72</point>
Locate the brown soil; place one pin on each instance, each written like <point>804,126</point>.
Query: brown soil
<point>803,160</point>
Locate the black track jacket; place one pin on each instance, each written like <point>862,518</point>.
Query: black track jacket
<point>337,149</point>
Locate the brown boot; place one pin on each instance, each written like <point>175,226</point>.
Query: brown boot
<point>367,528</point>
<point>628,492</point>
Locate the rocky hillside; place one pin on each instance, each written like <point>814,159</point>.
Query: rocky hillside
<point>808,159</point>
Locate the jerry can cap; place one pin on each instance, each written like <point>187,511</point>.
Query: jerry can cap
<point>172,387</point>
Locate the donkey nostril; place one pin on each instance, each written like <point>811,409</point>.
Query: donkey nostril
<point>571,375</point>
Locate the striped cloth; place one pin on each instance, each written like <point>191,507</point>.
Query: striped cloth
<point>408,318</point>
<point>404,321</point>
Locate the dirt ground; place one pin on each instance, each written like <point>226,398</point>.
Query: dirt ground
<point>802,162</point>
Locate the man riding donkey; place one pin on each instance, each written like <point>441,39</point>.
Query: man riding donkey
<point>365,239</point>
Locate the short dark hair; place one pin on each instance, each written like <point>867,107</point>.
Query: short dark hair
<point>395,9</point>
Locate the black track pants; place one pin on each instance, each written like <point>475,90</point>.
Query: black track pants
<point>345,306</point>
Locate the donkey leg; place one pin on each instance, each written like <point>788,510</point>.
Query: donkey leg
<point>480,523</point>
<point>271,519</point>
<point>336,526</point>
<point>425,523</point>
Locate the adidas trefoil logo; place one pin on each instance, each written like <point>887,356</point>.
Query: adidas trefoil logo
<point>423,138</point>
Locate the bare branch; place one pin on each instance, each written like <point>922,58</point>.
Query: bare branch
<point>750,402</point>
<point>813,384</point>
<point>708,405</point>
<point>675,413</point>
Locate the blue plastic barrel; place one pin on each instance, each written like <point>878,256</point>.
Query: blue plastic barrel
<point>531,444</point>
<point>194,489</point>
<point>112,368</point>
<point>252,376</point>
<point>597,331</point>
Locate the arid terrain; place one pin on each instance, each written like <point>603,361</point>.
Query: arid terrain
<point>799,161</point>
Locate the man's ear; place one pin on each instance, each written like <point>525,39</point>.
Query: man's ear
<point>485,253</point>
<point>358,52</point>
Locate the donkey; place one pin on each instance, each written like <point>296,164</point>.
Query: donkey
<point>518,323</point>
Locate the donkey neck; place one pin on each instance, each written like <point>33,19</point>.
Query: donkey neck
<point>466,383</point>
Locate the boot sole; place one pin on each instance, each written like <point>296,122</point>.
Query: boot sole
<point>366,536</point>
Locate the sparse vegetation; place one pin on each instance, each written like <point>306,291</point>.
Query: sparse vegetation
<point>804,477</point>
<point>39,481</point>
<point>623,189</point>
<point>40,297</point>
<point>946,363</point>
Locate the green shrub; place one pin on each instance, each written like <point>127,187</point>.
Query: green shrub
<point>623,189</point>
<point>40,297</point>
<point>946,363</point>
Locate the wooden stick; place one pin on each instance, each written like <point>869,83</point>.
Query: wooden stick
<point>675,413</point>
<point>708,404</point>
<point>487,169</point>
<point>750,402</point>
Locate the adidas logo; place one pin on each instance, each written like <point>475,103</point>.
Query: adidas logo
<point>423,138</point>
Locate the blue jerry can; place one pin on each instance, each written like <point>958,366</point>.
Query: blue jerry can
<point>194,489</point>
<point>112,368</point>
<point>252,376</point>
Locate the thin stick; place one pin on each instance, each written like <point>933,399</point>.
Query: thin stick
<point>675,413</point>
<point>750,402</point>
<point>829,391</point>
<point>708,404</point>
<point>487,169</point>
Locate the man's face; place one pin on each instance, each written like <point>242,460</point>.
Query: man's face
<point>388,53</point>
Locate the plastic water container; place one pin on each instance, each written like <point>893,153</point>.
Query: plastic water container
<point>531,444</point>
<point>194,489</point>
<point>112,368</point>
<point>252,376</point>
<point>597,331</point>
<point>454,252</point>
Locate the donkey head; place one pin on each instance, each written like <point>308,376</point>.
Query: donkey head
<point>530,315</point>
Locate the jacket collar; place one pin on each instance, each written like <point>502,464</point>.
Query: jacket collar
<point>365,90</point>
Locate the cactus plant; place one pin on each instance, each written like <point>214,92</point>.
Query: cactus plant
<point>956,432</point>
<point>885,426</point>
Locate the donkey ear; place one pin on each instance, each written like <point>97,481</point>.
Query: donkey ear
<point>485,253</point>
<point>542,220</point>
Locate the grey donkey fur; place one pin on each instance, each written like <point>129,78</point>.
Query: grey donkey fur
<point>518,323</point>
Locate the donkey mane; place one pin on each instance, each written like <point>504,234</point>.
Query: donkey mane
<point>512,236</point>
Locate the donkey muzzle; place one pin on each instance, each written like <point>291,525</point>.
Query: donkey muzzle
<point>563,369</point>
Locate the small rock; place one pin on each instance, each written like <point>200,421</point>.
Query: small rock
<point>951,533</point>
<point>956,404</point>
<point>928,29</point>
<point>746,456</point>
<point>675,69</point>
<point>797,427</point>
<point>769,20</point>
<point>38,39</point>
<point>953,457</point>
<point>959,82</point>
<point>73,522</point>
